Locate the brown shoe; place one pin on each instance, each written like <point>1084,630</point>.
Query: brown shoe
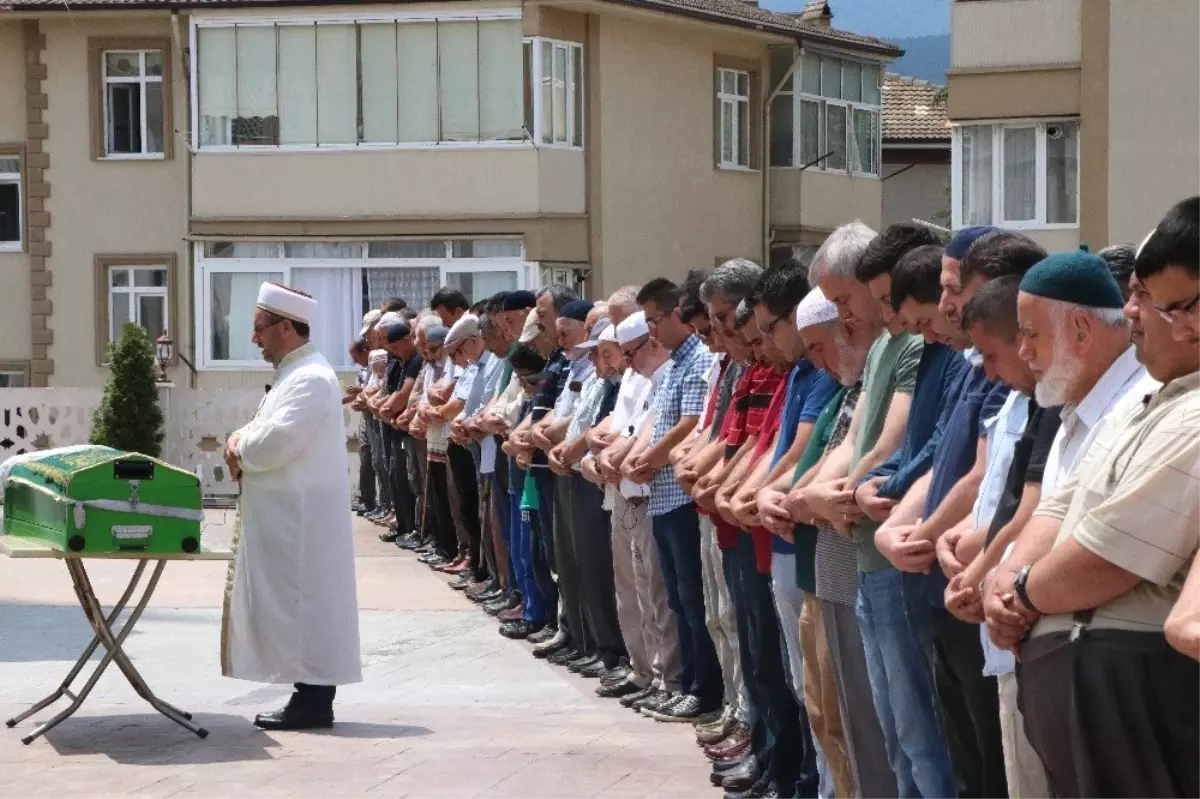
<point>733,744</point>
<point>452,565</point>
<point>513,614</point>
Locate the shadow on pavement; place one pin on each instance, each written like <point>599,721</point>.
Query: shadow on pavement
<point>356,729</point>
<point>151,739</point>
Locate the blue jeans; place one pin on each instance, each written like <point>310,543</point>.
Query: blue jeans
<point>677,535</point>
<point>520,550</point>
<point>902,687</point>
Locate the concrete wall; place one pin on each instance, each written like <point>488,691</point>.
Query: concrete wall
<point>1058,240</point>
<point>15,343</point>
<point>820,201</point>
<point>1153,160</point>
<point>1002,33</point>
<point>663,206</point>
<point>99,207</point>
<point>917,192</point>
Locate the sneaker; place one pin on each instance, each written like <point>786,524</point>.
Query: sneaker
<point>660,702</point>
<point>688,708</point>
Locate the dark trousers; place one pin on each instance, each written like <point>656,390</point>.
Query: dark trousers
<point>315,698</point>
<point>677,536</point>
<point>366,468</point>
<point>736,567</point>
<point>785,750</point>
<point>502,540</point>
<point>543,544</point>
<point>566,566</point>
<point>415,455</point>
<point>404,502</point>
<point>1113,713</point>
<point>970,707</point>
<point>594,557</point>
<point>466,489</point>
<point>379,458</point>
<point>439,524</point>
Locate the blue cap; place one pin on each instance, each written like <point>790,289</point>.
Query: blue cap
<point>520,301</point>
<point>964,238</point>
<point>397,332</point>
<point>1076,277</point>
<point>577,310</point>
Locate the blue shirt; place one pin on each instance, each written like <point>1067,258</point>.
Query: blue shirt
<point>681,394</point>
<point>809,390</point>
<point>938,379</point>
<point>961,428</point>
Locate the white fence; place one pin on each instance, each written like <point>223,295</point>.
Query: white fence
<point>197,423</point>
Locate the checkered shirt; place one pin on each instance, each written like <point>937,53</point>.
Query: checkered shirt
<point>682,394</point>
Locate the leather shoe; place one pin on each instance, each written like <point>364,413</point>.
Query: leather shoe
<point>460,583</point>
<point>292,718</point>
<point>500,605</point>
<point>553,646</point>
<point>512,614</point>
<point>614,675</point>
<point>743,777</point>
<point>542,637</point>
<point>731,747</point>
<point>484,597</point>
<point>580,662</point>
<point>388,536</point>
<point>620,689</point>
<point>563,656</point>
<point>593,671</point>
<point>518,629</point>
<point>632,699</point>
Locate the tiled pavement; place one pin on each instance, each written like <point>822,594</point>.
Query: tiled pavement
<point>447,706</point>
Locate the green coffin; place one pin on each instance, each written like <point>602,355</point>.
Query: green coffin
<point>98,499</point>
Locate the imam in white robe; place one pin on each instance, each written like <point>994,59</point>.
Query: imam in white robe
<point>292,611</point>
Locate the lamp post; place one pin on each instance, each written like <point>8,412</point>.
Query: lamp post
<point>165,349</point>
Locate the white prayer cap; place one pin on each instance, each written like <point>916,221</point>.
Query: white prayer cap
<point>288,303</point>
<point>814,309</point>
<point>601,327</point>
<point>609,334</point>
<point>1145,241</point>
<point>389,319</point>
<point>633,328</point>
<point>466,326</point>
<point>531,330</point>
<point>377,356</point>
<point>372,316</point>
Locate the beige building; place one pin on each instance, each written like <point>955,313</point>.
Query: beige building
<point>160,158</point>
<point>1074,120</point>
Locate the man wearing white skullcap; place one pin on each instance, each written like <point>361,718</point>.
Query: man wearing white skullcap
<point>291,612</point>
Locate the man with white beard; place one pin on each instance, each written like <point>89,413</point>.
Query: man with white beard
<point>1075,337</point>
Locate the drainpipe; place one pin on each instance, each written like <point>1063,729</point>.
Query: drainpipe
<point>767,234</point>
<point>186,151</point>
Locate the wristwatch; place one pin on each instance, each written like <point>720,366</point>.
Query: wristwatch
<point>1019,585</point>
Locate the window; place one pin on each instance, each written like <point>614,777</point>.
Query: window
<point>13,378</point>
<point>1017,174</point>
<point>133,103</point>
<point>354,84</point>
<point>557,110</point>
<point>133,288</point>
<point>827,118</point>
<point>733,99</point>
<point>11,222</point>
<point>347,278</point>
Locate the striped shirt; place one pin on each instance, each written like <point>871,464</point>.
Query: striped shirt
<point>837,556</point>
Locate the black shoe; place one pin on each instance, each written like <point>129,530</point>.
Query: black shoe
<point>615,690</point>
<point>742,778</point>
<point>580,662</point>
<point>488,596</point>
<point>389,536</point>
<point>723,768</point>
<point>500,605</point>
<point>461,583</point>
<point>542,637</point>
<point>293,718</point>
<point>629,700</point>
<point>658,697</point>
<point>563,657</point>
<point>649,708</point>
<point>593,671</point>
<point>613,675</point>
<point>517,630</point>
<point>408,543</point>
<point>554,646</point>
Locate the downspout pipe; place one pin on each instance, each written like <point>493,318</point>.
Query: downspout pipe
<point>186,150</point>
<point>765,156</point>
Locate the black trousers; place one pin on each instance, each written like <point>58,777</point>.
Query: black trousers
<point>313,697</point>
<point>1113,713</point>
<point>566,566</point>
<point>402,495</point>
<point>466,488</point>
<point>366,468</point>
<point>592,527</point>
<point>970,707</point>
<point>439,525</point>
<point>543,544</point>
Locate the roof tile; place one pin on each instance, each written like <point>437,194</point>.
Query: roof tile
<point>911,111</point>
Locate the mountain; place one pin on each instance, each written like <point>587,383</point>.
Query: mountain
<point>925,57</point>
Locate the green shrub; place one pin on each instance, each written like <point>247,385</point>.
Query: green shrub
<point>129,417</point>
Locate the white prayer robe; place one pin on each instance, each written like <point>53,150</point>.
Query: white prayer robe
<point>293,611</point>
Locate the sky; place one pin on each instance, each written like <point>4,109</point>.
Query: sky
<point>900,19</point>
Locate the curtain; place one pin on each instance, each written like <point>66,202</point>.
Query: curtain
<point>977,175</point>
<point>1020,174</point>
<point>545,83</point>
<point>321,249</point>
<point>417,85</point>
<point>377,52</point>
<point>337,84</point>
<point>416,284</point>
<point>1062,172</point>
<point>486,248</point>
<point>218,84</point>
<point>256,71</point>
<point>338,292</point>
<point>458,78</point>
<point>559,94</point>
<point>481,285</point>
<point>835,136</point>
<point>501,96</point>
<point>232,314</point>
<point>297,84</point>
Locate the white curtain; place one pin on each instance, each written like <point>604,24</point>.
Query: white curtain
<point>546,85</point>
<point>1020,174</point>
<point>337,85</point>
<point>458,74</point>
<point>256,71</point>
<point>338,292</point>
<point>417,85</point>
<point>297,84</point>
<point>481,285</point>
<point>486,248</point>
<point>232,314</point>
<point>416,285</point>
<point>977,175</point>
<point>1062,172</point>
<point>217,58</point>
<point>377,52</point>
<point>501,71</point>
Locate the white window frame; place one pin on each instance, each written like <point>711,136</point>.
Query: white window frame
<point>799,96</point>
<point>738,103</point>
<point>15,179</point>
<point>141,79</point>
<point>348,17</point>
<point>206,267</point>
<point>130,294</point>
<point>20,375</point>
<point>574,54</point>
<point>998,127</point>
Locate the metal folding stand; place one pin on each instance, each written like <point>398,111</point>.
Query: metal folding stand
<point>113,642</point>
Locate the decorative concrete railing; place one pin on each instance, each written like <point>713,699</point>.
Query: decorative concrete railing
<point>197,423</point>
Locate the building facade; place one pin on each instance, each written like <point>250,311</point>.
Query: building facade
<point>161,158</point>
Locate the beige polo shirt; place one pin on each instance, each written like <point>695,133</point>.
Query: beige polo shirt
<point>1133,500</point>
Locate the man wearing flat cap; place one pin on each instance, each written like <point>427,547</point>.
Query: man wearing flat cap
<point>291,612</point>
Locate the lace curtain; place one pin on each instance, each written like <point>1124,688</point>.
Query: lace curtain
<point>416,285</point>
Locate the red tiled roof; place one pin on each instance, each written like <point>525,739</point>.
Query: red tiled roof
<point>911,111</point>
